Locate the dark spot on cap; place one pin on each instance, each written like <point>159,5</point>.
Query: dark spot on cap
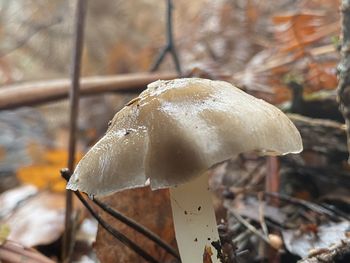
<point>199,208</point>
<point>209,238</point>
<point>196,239</point>
<point>185,212</point>
<point>133,101</point>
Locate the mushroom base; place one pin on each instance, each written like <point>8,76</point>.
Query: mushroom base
<point>194,220</point>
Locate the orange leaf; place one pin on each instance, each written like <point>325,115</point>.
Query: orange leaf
<point>322,76</point>
<point>299,30</point>
<point>46,175</point>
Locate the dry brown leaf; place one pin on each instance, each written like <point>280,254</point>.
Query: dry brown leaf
<point>321,75</point>
<point>303,243</point>
<point>39,221</point>
<point>298,30</point>
<point>265,75</point>
<point>10,199</point>
<point>297,54</point>
<point>149,208</point>
<point>34,219</point>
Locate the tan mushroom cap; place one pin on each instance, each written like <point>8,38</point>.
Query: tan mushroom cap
<point>177,129</point>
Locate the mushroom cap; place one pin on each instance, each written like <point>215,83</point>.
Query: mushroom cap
<point>175,130</point>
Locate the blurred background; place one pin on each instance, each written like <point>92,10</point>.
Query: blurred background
<point>284,51</point>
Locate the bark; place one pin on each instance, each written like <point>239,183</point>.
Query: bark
<point>344,67</point>
<point>320,135</point>
<point>33,93</point>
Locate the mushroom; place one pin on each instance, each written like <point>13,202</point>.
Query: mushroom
<point>169,136</point>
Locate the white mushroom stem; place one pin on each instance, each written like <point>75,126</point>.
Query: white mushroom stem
<point>194,219</point>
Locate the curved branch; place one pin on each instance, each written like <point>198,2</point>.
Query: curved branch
<point>33,93</point>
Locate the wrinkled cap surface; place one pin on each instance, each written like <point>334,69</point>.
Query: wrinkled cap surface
<point>177,129</point>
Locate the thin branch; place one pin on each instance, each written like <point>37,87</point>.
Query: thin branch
<point>336,253</point>
<point>128,221</point>
<point>311,206</point>
<point>139,228</point>
<point>245,235</point>
<point>170,46</point>
<point>118,235</point>
<point>14,252</point>
<point>81,8</point>
<point>249,226</point>
<point>33,93</point>
<point>261,214</point>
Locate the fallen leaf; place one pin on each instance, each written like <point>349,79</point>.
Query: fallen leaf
<point>46,175</point>
<point>302,244</point>
<point>299,30</point>
<point>149,208</point>
<point>35,219</point>
<point>39,221</point>
<point>322,75</point>
<point>10,199</point>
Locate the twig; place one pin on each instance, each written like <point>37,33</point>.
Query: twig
<point>261,214</point>
<point>128,221</point>
<point>273,177</point>
<point>33,93</point>
<point>250,227</point>
<point>242,237</point>
<point>118,235</point>
<point>312,206</point>
<point>336,210</point>
<point>14,252</point>
<point>248,180</point>
<point>139,228</point>
<point>170,46</point>
<point>81,7</point>
<point>336,253</point>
